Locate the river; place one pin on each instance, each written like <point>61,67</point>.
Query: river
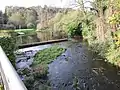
<point>79,69</point>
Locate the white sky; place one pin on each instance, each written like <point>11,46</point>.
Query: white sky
<point>28,3</point>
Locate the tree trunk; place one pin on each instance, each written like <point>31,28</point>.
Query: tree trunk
<point>100,27</point>
<point>111,11</point>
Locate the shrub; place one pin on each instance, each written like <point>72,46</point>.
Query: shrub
<point>107,51</point>
<point>9,46</point>
<point>40,71</point>
<point>30,25</point>
<point>7,27</point>
<point>75,29</point>
<point>29,82</point>
<point>67,22</point>
<point>117,38</point>
<point>34,78</point>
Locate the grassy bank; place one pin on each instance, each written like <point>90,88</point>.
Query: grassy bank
<point>5,33</point>
<point>26,31</point>
<point>108,51</point>
<point>17,30</point>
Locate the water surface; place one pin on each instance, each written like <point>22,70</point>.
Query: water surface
<point>79,69</point>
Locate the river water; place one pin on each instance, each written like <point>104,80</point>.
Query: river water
<point>79,69</point>
<point>39,36</point>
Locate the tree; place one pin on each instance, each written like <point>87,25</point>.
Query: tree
<point>5,18</point>
<point>98,8</point>
<point>31,16</point>
<point>1,18</point>
<point>30,25</point>
<point>17,19</point>
<point>67,22</point>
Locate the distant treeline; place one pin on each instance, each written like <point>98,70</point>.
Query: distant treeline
<point>32,17</point>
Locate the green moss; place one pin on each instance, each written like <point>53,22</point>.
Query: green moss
<point>46,56</point>
<point>35,78</point>
<point>43,58</point>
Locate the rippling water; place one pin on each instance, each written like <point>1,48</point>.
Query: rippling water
<point>77,69</point>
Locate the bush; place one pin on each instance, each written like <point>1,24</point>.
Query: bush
<point>107,51</point>
<point>75,29</point>
<point>99,48</point>
<point>59,34</point>
<point>40,71</point>
<point>34,78</point>
<point>68,22</point>
<point>7,27</point>
<point>29,82</point>
<point>9,46</point>
<point>30,25</point>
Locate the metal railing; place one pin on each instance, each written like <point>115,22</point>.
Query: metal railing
<point>11,79</point>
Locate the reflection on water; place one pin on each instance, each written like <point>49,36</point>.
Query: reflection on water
<point>40,36</point>
<point>24,39</point>
<point>78,69</point>
<point>105,76</point>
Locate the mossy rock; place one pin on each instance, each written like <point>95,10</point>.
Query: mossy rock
<point>40,71</point>
<point>40,68</point>
<point>43,58</point>
<point>48,55</point>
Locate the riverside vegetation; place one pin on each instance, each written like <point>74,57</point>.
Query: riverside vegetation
<point>99,26</point>
<point>36,77</point>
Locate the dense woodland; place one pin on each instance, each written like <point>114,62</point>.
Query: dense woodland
<point>21,17</point>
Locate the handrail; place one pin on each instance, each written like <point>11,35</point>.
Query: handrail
<point>11,79</point>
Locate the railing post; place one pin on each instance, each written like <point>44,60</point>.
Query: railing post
<point>9,75</point>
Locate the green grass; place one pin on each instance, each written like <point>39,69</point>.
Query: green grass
<point>46,56</point>
<point>5,33</point>
<point>35,77</point>
<point>25,31</point>
<point>18,30</point>
<point>42,59</point>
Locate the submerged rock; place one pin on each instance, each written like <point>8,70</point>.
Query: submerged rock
<point>21,59</point>
<point>21,65</point>
<point>76,61</point>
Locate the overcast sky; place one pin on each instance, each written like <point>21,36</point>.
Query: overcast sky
<point>28,3</point>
